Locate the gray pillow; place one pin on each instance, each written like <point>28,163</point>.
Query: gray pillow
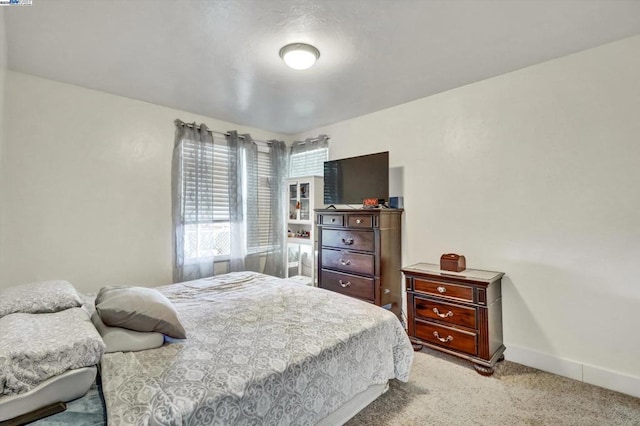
<point>138,309</point>
<point>38,298</point>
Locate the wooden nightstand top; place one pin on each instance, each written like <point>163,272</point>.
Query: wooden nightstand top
<point>434,270</point>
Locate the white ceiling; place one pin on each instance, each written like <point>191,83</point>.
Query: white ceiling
<point>220,58</point>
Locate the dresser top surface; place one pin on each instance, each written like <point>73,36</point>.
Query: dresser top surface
<point>359,210</point>
<point>434,270</point>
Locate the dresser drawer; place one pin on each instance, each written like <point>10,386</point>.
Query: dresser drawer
<point>450,291</point>
<point>360,221</point>
<point>351,285</point>
<point>332,219</point>
<point>447,337</point>
<point>347,239</point>
<point>447,312</point>
<point>348,262</point>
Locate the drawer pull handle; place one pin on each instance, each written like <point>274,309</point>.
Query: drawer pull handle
<point>358,221</point>
<point>343,284</point>
<point>333,219</point>
<point>345,262</point>
<point>442,339</point>
<point>442,289</point>
<point>437,312</point>
<point>347,241</point>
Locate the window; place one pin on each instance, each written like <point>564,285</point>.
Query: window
<point>207,230</point>
<point>206,212</point>
<point>259,241</point>
<point>308,163</point>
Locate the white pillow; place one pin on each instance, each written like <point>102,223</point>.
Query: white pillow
<point>120,339</point>
<point>40,297</point>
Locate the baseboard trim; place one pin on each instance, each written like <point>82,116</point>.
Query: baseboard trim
<point>612,380</point>
<point>597,376</point>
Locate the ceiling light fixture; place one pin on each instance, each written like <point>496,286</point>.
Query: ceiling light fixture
<point>299,56</point>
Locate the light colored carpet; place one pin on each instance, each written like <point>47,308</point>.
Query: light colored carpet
<point>444,390</point>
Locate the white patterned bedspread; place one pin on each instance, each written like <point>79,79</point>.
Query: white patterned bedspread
<point>259,351</point>
<point>35,347</point>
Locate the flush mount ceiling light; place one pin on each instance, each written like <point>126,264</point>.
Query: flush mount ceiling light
<point>299,56</point>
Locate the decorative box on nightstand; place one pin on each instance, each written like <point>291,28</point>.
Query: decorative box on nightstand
<point>459,313</point>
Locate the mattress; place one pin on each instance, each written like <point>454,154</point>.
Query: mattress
<point>259,350</point>
<point>353,406</point>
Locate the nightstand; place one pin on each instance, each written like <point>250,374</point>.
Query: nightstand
<point>459,313</point>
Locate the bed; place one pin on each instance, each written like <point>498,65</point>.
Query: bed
<point>259,350</point>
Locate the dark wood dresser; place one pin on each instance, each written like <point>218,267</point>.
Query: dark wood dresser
<point>459,313</point>
<point>359,254</point>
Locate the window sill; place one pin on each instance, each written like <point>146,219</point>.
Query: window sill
<point>216,259</point>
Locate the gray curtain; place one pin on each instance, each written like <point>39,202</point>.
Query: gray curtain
<point>275,262</point>
<point>192,162</point>
<point>193,209</point>
<point>243,200</point>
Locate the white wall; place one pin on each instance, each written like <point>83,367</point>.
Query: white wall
<point>3,72</point>
<point>534,173</point>
<point>88,185</point>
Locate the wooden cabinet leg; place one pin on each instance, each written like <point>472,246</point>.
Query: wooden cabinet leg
<point>483,370</point>
<point>416,347</point>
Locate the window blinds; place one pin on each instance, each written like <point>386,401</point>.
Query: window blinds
<point>308,163</point>
<point>206,193</point>
<point>261,240</point>
<point>205,178</point>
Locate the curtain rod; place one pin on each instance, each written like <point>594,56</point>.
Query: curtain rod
<point>312,140</point>
<point>190,125</point>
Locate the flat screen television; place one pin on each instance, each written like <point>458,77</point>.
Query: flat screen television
<point>351,180</point>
